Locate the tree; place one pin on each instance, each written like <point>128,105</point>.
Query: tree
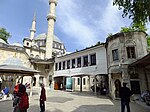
<point>137,10</point>
<point>148,40</point>
<point>132,29</point>
<point>4,34</point>
<point>126,29</point>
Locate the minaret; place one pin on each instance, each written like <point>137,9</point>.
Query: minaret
<point>51,18</point>
<point>33,27</point>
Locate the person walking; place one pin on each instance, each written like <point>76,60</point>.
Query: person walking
<point>50,85</point>
<point>125,94</point>
<point>42,98</point>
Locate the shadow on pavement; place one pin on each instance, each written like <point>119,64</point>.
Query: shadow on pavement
<point>58,99</point>
<point>89,94</point>
<point>36,108</point>
<point>96,108</point>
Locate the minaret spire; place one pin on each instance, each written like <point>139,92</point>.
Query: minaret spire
<point>33,27</point>
<point>51,18</point>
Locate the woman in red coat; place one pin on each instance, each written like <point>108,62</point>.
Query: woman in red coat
<point>42,98</point>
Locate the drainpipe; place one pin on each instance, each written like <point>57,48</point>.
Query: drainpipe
<point>95,84</point>
<point>81,84</point>
<point>146,79</point>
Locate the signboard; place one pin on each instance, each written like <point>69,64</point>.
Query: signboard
<point>69,83</point>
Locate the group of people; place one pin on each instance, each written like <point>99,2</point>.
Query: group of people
<point>21,99</point>
<point>3,92</point>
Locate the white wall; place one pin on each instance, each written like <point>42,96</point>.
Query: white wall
<point>99,68</point>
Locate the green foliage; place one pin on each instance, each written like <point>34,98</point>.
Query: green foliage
<point>109,35</point>
<point>148,40</point>
<point>126,29</point>
<point>133,28</point>
<point>4,34</point>
<point>137,10</point>
<point>139,27</point>
<point>98,43</point>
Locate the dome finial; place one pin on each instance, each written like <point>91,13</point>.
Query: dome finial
<point>34,18</point>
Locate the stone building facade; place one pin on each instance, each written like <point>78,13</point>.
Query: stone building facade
<point>37,52</point>
<point>109,64</point>
<point>122,50</point>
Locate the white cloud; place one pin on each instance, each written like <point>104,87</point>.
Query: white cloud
<point>91,27</point>
<point>87,23</point>
<point>68,20</point>
<point>111,20</point>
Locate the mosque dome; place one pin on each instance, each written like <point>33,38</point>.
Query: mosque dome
<point>13,61</point>
<point>2,41</point>
<point>35,45</point>
<point>43,37</point>
<point>17,44</point>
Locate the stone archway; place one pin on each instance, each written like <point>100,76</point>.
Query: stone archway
<point>117,88</point>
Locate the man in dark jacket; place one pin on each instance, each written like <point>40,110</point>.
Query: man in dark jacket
<point>125,95</point>
<point>42,98</point>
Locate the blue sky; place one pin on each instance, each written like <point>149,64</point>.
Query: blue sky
<point>80,23</point>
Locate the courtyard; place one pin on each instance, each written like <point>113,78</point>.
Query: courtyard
<point>62,101</point>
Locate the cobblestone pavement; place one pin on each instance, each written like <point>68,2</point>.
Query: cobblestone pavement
<point>62,101</point>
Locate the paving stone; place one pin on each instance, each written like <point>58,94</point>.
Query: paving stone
<point>62,101</point>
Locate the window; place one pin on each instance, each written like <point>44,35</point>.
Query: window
<point>78,81</point>
<point>131,52</point>
<point>53,45</point>
<point>115,54</point>
<point>56,67</point>
<point>64,64</point>
<point>59,65</point>
<point>60,46</point>
<point>47,66</point>
<point>27,43</point>
<point>83,81</point>
<point>37,56</point>
<point>79,62</point>
<point>31,55</point>
<point>57,46</point>
<point>73,63</point>
<point>68,64</point>
<point>93,59</point>
<point>85,60</point>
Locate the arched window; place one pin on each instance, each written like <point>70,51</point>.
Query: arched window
<point>31,55</point>
<point>27,43</point>
<point>37,56</point>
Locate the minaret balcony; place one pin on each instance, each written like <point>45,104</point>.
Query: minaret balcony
<point>34,30</point>
<point>51,16</point>
<point>53,1</point>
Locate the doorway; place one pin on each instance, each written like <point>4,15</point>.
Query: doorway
<point>117,88</point>
<point>135,87</point>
